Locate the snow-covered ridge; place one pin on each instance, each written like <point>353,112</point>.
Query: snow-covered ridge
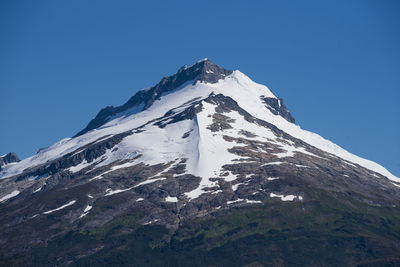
<point>237,85</point>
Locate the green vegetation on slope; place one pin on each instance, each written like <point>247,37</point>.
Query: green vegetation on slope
<point>326,232</point>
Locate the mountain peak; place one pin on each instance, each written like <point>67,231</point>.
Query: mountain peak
<point>204,71</point>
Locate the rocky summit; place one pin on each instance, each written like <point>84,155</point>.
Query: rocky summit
<point>206,168</point>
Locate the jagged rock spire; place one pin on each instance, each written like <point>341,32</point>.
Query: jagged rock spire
<point>205,71</point>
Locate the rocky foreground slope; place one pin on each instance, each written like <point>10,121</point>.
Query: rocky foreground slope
<point>206,168</point>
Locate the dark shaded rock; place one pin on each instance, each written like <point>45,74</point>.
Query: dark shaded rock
<point>186,135</point>
<point>41,150</point>
<point>220,122</point>
<point>247,134</point>
<point>276,106</point>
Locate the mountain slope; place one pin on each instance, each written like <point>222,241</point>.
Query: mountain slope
<point>248,94</point>
<point>203,145</point>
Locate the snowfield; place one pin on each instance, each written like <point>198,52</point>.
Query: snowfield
<point>206,152</point>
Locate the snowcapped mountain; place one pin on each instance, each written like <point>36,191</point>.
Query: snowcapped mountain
<point>201,141</point>
<point>161,114</point>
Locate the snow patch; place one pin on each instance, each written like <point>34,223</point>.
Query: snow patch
<point>234,201</point>
<point>110,192</point>
<point>88,207</point>
<point>286,198</point>
<point>10,195</point>
<point>253,201</point>
<point>171,199</point>
<point>302,166</point>
<point>230,177</point>
<point>79,167</point>
<point>150,222</point>
<point>148,182</point>
<point>60,208</point>
<point>274,163</point>
<point>37,190</point>
<point>86,211</point>
<point>236,186</point>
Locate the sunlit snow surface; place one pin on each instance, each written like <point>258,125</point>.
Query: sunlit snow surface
<point>206,152</point>
<point>10,195</point>
<point>171,199</point>
<point>86,211</point>
<point>72,202</point>
<point>287,197</point>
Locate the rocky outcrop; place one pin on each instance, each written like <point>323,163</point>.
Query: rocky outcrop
<point>276,106</point>
<point>8,158</point>
<point>203,71</point>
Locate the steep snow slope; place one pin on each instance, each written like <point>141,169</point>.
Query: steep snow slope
<point>161,145</point>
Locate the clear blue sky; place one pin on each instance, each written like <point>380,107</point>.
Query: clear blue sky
<point>336,64</point>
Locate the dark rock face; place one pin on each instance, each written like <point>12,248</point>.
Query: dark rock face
<point>8,158</point>
<point>203,71</point>
<point>276,106</point>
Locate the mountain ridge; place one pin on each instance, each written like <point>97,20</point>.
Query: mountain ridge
<point>202,71</point>
<point>259,99</point>
<point>191,171</point>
